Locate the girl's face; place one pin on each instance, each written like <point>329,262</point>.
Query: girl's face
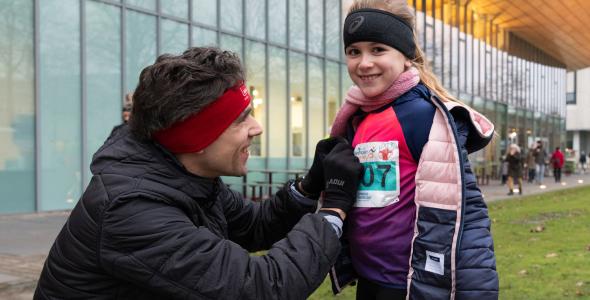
<point>373,67</point>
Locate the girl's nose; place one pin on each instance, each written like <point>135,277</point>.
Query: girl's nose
<point>366,62</point>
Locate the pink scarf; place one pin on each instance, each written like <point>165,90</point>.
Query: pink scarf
<point>355,99</point>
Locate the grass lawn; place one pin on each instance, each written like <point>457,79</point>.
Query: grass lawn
<point>542,245</point>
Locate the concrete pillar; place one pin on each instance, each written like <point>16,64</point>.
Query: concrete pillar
<point>576,143</point>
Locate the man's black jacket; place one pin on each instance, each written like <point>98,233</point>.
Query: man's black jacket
<point>145,228</point>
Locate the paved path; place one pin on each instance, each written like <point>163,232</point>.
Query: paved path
<point>26,239</point>
<point>495,191</point>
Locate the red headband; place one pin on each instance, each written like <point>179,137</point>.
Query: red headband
<point>203,128</point>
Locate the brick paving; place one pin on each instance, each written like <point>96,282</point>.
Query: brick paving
<point>19,275</point>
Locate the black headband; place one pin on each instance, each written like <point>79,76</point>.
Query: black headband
<point>374,25</point>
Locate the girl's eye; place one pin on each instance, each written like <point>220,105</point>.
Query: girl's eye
<point>352,52</point>
<point>378,49</point>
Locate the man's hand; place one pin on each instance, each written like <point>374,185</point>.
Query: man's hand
<point>342,171</point>
<point>313,182</point>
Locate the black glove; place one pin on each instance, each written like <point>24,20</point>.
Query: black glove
<point>342,171</point>
<point>313,182</point>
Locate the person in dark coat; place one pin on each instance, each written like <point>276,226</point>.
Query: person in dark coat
<point>157,221</point>
<point>583,161</point>
<point>515,162</point>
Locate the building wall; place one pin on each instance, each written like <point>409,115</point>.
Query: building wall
<point>65,66</point>
<point>578,114</point>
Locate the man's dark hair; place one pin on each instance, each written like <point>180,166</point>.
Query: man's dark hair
<point>176,87</point>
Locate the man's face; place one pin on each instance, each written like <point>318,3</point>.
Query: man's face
<point>227,156</point>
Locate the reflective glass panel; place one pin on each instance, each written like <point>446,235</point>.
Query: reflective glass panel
<point>315,26</point>
<point>297,103</point>
<point>277,22</point>
<point>346,83</point>
<point>146,4</point>
<point>297,24</point>
<point>59,103</point>
<point>232,15</point>
<point>256,17</point>
<point>205,12</point>
<point>333,29</point>
<point>17,107</point>
<point>231,43</point>
<point>103,75</point>
<point>141,45</point>
<point>316,104</point>
<point>277,91</point>
<point>204,37</point>
<point>174,37</point>
<point>177,8</point>
<point>332,93</point>
<point>255,74</point>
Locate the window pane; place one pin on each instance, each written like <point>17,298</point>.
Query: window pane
<point>420,29</point>
<point>297,24</point>
<point>277,22</point>
<point>17,109</point>
<point>205,12</point>
<point>316,104</point>
<point>174,37</point>
<point>177,8</point>
<point>204,37</point>
<point>232,43</point>
<point>255,16</point>
<point>333,29</point>
<point>232,15</point>
<point>59,103</point>
<point>146,4</point>
<point>428,48</point>
<point>255,71</point>
<point>277,102</point>
<point>103,74</point>
<point>332,91</point>
<point>316,26</point>
<point>437,67</point>
<point>141,45</point>
<point>346,83</point>
<point>296,100</point>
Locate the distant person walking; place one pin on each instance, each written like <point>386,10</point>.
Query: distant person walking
<point>530,163</point>
<point>583,161</point>
<point>557,161</point>
<point>540,161</point>
<point>504,168</point>
<point>515,161</point>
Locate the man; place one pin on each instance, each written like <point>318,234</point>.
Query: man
<point>157,222</point>
<point>125,112</point>
<point>540,161</point>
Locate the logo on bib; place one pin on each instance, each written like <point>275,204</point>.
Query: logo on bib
<point>379,186</point>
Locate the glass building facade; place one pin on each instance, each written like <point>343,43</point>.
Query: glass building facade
<point>65,66</point>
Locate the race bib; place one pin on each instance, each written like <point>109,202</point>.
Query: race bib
<point>379,185</point>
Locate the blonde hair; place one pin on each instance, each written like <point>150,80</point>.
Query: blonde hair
<point>401,9</point>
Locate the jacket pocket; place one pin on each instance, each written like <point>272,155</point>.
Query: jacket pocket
<point>431,253</point>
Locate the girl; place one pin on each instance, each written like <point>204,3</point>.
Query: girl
<point>420,227</point>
